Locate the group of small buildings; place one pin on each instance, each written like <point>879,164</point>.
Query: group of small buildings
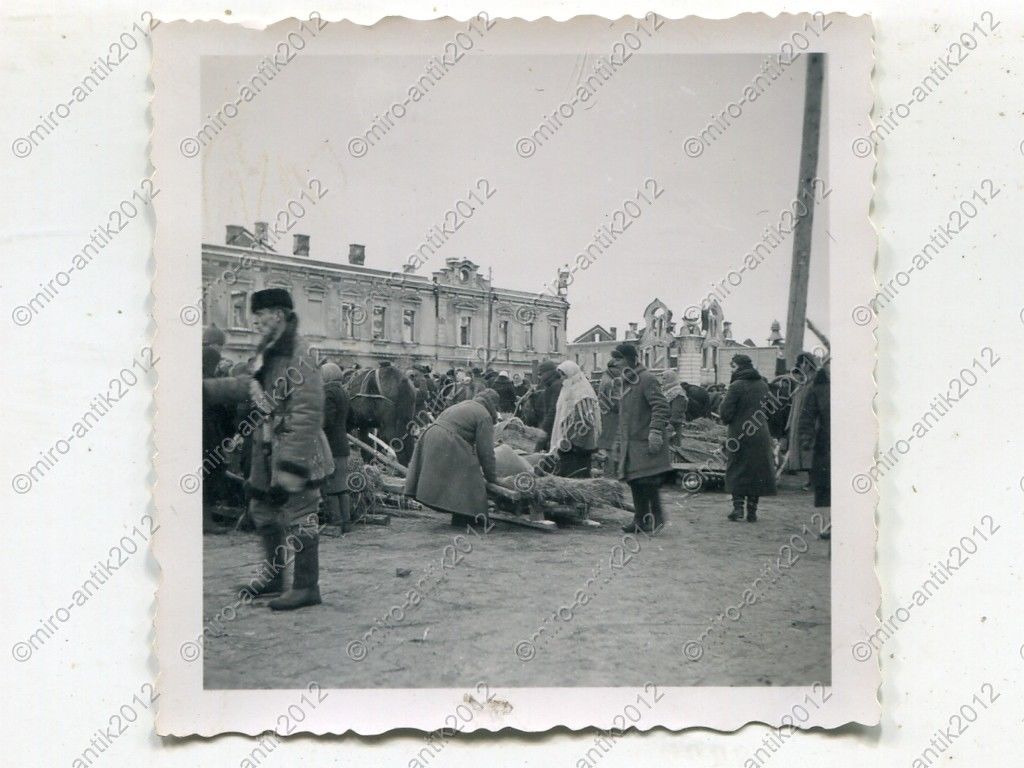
<point>453,317</point>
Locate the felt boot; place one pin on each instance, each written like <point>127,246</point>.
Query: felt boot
<point>305,586</point>
<point>737,509</point>
<point>752,509</point>
<point>268,580</point>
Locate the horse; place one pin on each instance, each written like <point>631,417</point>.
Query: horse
<point>383,399</point>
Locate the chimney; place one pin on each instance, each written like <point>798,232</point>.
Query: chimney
<point>262,230</point>
<point>614,332</point>
<point>408,269</point>
<point>631,333</point>
<point>234,234</point>
<point>356,254</point>
<point>300,245</point>
<point>726,329</point>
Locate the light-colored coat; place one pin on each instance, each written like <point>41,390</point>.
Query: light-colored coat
<point>290,376</point>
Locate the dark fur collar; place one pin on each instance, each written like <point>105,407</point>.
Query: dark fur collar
<point>745,374</point>
<point>283,345</point>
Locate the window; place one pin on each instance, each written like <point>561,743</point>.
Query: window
<point>597,337</point>
<point>316,312</point>
<point>465,331</point>
<point>379,326</point>
<point>553,338</point>
<point>528,334</point>
<point>409,325</point>
<point>348,325</point>
<point>594,366</point>
<point>503,334</point>
<point>239,302</point>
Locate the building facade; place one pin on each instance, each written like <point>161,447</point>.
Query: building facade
<point>591,349</point>
<point>352,313</point>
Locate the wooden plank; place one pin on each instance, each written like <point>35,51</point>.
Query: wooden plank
<point>694,467</point>
<point>505,493</point>
<point>573,519</point>
<point>372,519</point>
<point>417,513</point>
<point>540,525</point>
<point>393,484</point>
<point>356,442</point>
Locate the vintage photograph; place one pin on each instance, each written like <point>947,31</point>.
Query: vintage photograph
<point>513,367</point>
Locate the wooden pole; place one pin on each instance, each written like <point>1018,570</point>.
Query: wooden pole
<point>821,336</point>
<point>797,314</point>
<point>490,314</point>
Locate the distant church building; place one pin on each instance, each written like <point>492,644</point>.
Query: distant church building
<point>699,348</point>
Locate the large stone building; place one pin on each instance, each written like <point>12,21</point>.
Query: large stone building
<point>352,313</point>
<point>699,348</point>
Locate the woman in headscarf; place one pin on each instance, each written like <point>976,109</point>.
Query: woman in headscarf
<point>677,403</point>
<point>458,389</point>
<point>577,422</point>
<point>454,459</point>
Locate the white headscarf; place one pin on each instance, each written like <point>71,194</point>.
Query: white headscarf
<point>577,410</point>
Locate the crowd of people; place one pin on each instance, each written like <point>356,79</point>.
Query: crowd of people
<point>275,436</point>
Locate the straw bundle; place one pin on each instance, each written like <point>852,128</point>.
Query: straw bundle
<point>565,490</point>
<point>363,483</point>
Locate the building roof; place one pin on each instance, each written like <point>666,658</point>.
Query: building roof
<point>587,335</point>
<point>260,253</point>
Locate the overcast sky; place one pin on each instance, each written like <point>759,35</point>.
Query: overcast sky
<point>545,209</point>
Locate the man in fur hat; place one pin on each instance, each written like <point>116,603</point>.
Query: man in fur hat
<point>290,454</point>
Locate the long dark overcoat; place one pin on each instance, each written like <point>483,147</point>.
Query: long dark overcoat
<point>750,470</point>
<point>453,459</point>
<point>816,430</point>
<point>642,408</point>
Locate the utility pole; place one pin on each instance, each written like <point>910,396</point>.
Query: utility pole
<point>490,307</point>
<point>797,314</point>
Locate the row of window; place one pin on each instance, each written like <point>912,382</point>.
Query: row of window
<point>352,316</point>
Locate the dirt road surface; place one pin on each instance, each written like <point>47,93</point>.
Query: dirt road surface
<point>514,606</point>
